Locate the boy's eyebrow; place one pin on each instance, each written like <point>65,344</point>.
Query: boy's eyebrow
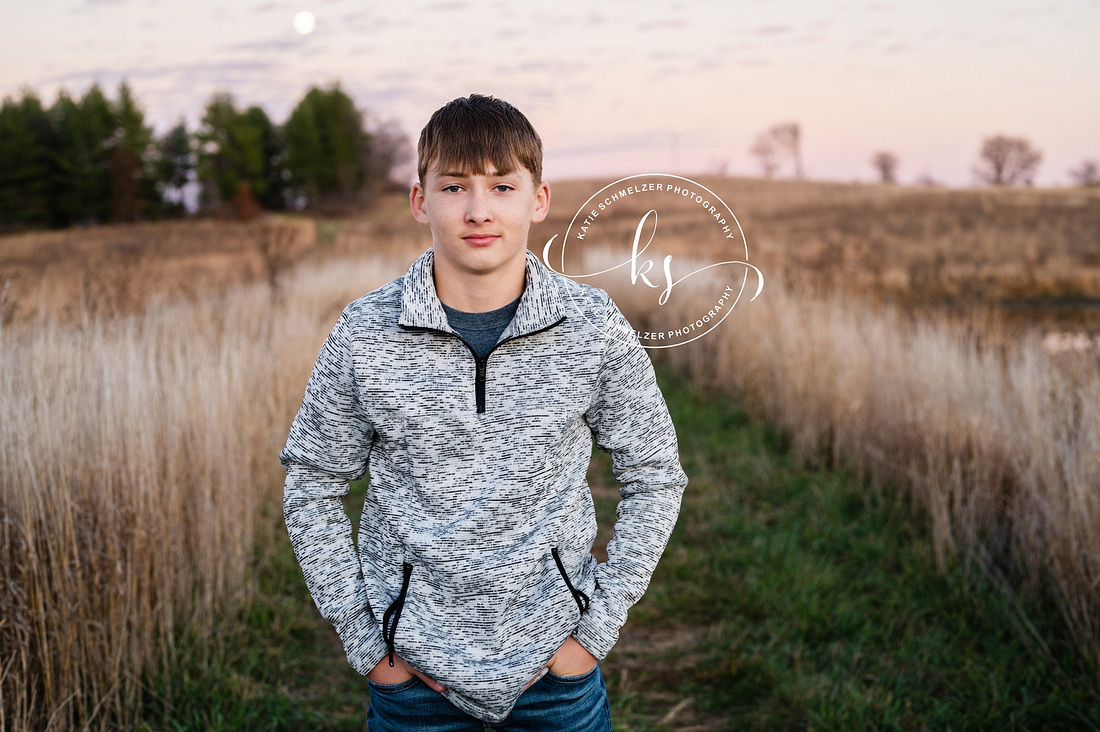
<point>492,173</point>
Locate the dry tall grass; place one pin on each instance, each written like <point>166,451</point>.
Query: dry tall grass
<point>135,457</point>
<point>1001,446</point>
<point>123,268</point>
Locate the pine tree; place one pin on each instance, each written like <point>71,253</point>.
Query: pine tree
<point>132,184</point>
<point>231,152</point>
<point>81,189</point>
<point>175,162</point>
<point>25,139</point>
<point>327,147</point>
<point>271,194</point>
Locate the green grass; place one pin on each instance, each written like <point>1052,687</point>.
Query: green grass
<point>806,600</point>
<point>787,599</point>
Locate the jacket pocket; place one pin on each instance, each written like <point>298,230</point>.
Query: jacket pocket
<point>393,613</point>
<point>578,596</point>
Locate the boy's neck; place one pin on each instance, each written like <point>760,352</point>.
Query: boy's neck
<point>475,292</point>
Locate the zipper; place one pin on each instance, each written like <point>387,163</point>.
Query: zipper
<point>578,596</point>
<point>393,612</point>
<point>479,381</point>
<point>482,364</point>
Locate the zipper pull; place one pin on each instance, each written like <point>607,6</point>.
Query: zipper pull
<point>479,385</point>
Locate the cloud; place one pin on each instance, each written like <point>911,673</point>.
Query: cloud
<point>999,41</point>
<point>223,71</point>
<point>272,45</point>
<point>542,93</point>
<point>621,142</point>
<point>233,66</point>
<point>449,6</point>
<point>666,24</point>
<point>366,20</point>
<point>774,29</point>
<point>808,39</point>
<point>354,16</point>
<point>557,66</point>
<point>394,97</point>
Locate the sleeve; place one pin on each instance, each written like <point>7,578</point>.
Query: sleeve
<point>328,445</point>
<point>629,419</point>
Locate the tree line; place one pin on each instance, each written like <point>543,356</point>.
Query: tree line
<point>1002,160</point>
<point>92,158</point>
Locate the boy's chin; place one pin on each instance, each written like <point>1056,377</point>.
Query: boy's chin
<point>482,258</point>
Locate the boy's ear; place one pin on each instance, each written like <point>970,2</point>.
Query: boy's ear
<point>542,203</point>
<point>416,202</point>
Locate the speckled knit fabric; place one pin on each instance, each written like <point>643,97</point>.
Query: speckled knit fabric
<point>477,484</point>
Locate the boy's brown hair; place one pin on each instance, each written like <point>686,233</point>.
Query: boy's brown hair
<point>466,133</point>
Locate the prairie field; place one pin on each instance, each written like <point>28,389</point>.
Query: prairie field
<point>139,458</point>
<point>900,244</point>
<point>148,375</point>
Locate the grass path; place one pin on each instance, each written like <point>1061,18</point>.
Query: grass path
<point>787,599</point>
<point>793,599</point>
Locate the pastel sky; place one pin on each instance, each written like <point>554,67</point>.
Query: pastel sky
<point>621,86</point>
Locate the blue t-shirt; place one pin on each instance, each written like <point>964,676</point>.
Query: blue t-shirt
<point>482,330</point>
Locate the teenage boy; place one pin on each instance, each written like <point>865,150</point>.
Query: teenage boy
<point>473,388</point>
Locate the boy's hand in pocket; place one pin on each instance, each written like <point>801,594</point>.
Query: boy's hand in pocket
<point>383,673</point>
<point>569,660</point>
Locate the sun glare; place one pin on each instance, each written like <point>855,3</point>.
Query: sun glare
<point>305,22</point>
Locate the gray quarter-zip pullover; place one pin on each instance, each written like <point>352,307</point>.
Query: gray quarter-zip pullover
<point>474,560</point>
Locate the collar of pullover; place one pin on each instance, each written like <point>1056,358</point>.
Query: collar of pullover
<point>539,307</point>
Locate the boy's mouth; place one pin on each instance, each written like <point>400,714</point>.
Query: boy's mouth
<point>480,240</point>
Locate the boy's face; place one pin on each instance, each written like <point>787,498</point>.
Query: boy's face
<point>479,223</point>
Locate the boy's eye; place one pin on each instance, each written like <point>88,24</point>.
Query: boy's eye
<point>502,188</point>
<point>453,188</point>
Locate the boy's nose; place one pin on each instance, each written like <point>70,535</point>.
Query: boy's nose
<point>478,208</point>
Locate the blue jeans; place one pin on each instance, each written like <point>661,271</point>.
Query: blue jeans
<point>551,704</point>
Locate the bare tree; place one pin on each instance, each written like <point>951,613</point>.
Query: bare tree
<point>1086,174</point>
<point>281,242</point>
<point>765,153</point>
<point>389,150</point>
<point>886,163</point>
<point>788,137</point>
<point>1006,161</point>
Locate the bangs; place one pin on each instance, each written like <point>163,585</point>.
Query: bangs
<point>474,161</point>
<point>468,135</point>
